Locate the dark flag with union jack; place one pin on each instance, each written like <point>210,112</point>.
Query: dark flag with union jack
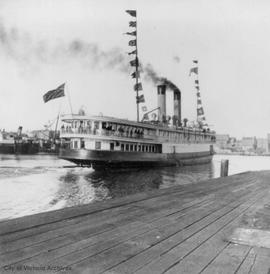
<point>55,93</point>
<point>134,63</point>
<point>138,87</point>
<point>145,116</point>
<point>134,33</point>
<point>132,12</point>
<point>133,24</point>
<point>140,99</point>
<point>132,52</point>
<point>200,111</point>
<point>193,70</point>
<point>135,74</point>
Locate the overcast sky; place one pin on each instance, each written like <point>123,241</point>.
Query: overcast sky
<point>44,43</point>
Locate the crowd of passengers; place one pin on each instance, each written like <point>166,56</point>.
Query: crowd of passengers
<point>107,129</point>
<point>119,130</point>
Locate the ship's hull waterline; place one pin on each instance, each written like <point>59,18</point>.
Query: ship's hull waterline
<point>115,159</point>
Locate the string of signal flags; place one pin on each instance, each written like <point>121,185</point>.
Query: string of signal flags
<point>200,112</point>
<point>60,91</point>
<point>135,62</point>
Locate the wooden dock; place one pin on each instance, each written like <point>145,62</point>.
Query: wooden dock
<point>184,229</point>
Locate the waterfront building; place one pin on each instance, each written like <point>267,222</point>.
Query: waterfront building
<point>249,144</point>
<point>222,140</point>
<point>262,146</point>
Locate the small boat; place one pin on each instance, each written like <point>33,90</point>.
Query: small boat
<point>17,143</point>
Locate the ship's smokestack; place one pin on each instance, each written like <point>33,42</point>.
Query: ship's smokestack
<point>19,132</point>
<point>161,91</point>
<point>177,107</point>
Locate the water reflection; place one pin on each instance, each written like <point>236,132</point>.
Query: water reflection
<point>81,185</point>
<point>38,183</point>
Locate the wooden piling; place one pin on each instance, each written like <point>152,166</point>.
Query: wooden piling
<point>224,168</point>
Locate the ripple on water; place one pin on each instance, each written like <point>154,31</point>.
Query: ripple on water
<point>32,184</point>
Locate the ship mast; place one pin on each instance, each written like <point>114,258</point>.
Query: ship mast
<point>137,72</point>
<point>135,63</point>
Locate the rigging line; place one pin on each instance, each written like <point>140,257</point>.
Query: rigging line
<point>56,124</point>
<point>69,99</point>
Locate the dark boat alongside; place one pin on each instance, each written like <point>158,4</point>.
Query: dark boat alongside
<point>17,143</point>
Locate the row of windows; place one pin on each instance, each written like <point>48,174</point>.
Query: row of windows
<point>185,135</point>
<point>75,144</point>
<point>139,148</point>
<point>130,147</point>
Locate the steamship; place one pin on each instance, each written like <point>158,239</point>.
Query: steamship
<point>107,142</point>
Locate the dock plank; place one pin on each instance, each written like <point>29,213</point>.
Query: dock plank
<point>176,230</point>
<point>229,261</point>
<point>179,245</point>
<point>167,238</point>
<point>261,261</point>
<point>81,232</point>
<point>212,250</point>
<point>132,229</point>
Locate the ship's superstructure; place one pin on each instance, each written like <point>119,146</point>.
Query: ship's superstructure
<point>110,142</point>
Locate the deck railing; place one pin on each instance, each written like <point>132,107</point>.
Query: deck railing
<point>187,135</point>
<point>102,132</point>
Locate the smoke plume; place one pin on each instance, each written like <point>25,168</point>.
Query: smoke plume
<point>25,50</point>
<point>176,59</point>
<point>151,75</point>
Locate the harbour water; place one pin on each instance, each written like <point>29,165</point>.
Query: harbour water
<point>39,183</point>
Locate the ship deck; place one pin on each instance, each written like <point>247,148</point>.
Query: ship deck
<point>183,229</point>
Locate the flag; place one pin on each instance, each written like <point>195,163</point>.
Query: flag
<point>138,87</point>
<point>144,108</point>
<point>132,12</point>
<point>135,74</point>
<point>145,116</point>
<point>197,82</point>
<point>195,70</point>
<point>197,87</point>
<point>199,101</point>
<point>134,63</point>
<point>133,24</point>
<point>140,99</point>
<point>132,52</point>
<point>55,93</point>
<point>195,61</point>
<point>132,43</point>
<point>134,33</point>
<point>200,111</point>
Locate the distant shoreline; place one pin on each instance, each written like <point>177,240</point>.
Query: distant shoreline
<point>241,154</point>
